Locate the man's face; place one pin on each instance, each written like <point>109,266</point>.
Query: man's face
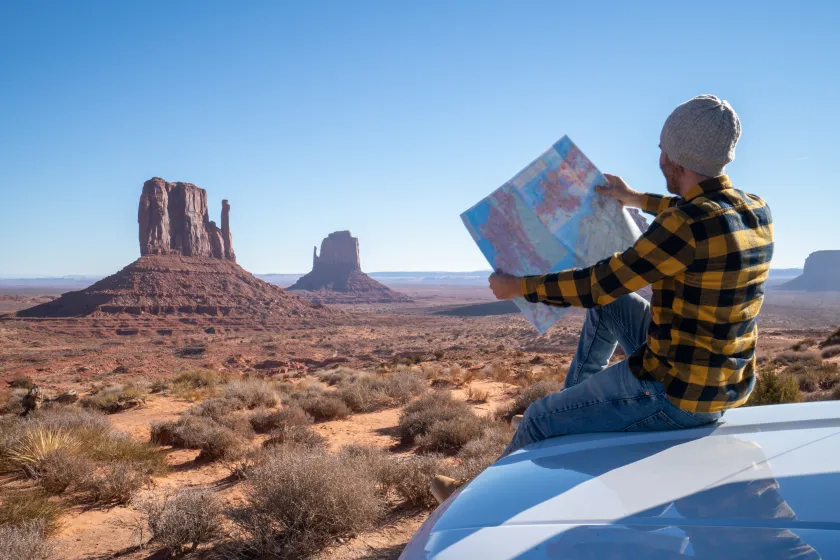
<point>671,172</point>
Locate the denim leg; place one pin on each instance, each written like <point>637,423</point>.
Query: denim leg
<point>613,400</point>
<point>624,321</point>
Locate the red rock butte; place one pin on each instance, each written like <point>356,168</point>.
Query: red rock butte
<point>337,276</point>
<point>187,266</point>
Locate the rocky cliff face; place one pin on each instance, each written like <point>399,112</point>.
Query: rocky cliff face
<point>337,274</point>
<point>821,273</point>
<point>173,220</point>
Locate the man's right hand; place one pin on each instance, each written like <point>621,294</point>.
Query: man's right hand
<point>620,191</point>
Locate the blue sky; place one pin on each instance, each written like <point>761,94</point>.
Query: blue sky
<point>386,118</point>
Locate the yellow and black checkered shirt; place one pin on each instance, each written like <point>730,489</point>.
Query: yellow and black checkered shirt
<point>707,256</point>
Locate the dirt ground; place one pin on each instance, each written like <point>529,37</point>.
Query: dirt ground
<point>63,354</point>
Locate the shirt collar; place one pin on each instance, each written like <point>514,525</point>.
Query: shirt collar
<point>718,183</point>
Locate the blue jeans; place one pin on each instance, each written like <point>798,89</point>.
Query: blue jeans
<point>597,398</point>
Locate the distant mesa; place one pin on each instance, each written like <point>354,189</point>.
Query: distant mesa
<point>337,275</point>
<point>187,266</point>
<point>821,273</point>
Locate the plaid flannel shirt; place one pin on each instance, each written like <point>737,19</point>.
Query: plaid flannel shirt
<point>707,256</point>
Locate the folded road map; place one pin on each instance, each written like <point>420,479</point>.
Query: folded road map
<point>549,218</point>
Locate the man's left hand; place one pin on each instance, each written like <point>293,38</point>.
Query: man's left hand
<point>505,286</point>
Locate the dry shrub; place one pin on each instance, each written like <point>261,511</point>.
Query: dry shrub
<point>251,393</point>
<point>340,376</point>
<point>115,484</point>
<point>788,357</point>
<point>113,446</point>
<point>371,393</point>
<point>159,385</point>
<point>195,384</point>
<point>115,398</point>
<point>59,470</point>
<point>478,454</point>
<point>772,387</point>
<point>527,395</point>
<point>500,372</point>
<point>803,344</point>
<point>410,479</point>
<point>833,340</point>
<point>21,508</point>
<point>21,382</point>
<point>24,541</point>
<point>449,436</point>
<point>418,417</point>
<point>321,406</point>
<point>199,432</point>
<point>181,521</point>
<point>10,401</point>
<point>301,500</point>
<point>266,421</point>
<point>830,352</point>
<point>303,436</point>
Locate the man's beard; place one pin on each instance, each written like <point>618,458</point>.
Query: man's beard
<point>671,179</point>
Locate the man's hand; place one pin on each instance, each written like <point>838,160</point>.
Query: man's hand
<point>620,191</point>
<point>505,286</point>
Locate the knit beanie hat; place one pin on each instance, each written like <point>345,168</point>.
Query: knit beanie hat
<point>701,134</point>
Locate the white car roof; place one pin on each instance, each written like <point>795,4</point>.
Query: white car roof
<point>763,483</point>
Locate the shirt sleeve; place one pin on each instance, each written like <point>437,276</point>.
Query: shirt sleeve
<point>664,250</point>
<point>656,203</point>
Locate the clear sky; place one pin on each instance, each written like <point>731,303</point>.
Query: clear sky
<point>387,118</point>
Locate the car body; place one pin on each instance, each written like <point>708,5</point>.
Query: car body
<point>762,483</point>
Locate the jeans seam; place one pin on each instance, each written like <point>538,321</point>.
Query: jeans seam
<point>621,327</point>
<point>588,351</point>
<point>586,405</point>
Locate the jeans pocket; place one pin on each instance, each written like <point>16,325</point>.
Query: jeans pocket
<point>657,422</point>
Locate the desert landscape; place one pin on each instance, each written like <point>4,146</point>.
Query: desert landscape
<point>185,407</point>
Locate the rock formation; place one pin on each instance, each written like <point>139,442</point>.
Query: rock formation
<point>640,220</point>
<point>821,273</point>
<point>173,220</point>
<point>186,267</point>
<point>337,275</point>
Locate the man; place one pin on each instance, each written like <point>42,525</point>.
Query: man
<point>691,350</point>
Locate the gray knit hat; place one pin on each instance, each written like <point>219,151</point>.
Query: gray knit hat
<point>701,134</point>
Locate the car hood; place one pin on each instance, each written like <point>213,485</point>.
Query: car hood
<point>762,483</point>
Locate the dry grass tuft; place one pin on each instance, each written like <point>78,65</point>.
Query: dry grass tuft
<point>300,501</point>
<point>438,423</point>
<point>772,387</point>
<point>476,395</point>
<point>181,521</point>
<point>21,508</point>
<point>24,541</point>
<point>527,395</point>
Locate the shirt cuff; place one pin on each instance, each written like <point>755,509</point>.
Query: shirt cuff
<point>529,286</point>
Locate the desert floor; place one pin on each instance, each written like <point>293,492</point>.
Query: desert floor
<point>494,356</point>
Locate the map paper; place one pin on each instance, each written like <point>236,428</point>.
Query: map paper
<point>549,218</point>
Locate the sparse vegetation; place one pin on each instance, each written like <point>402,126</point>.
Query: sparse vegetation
<point>477,395</point>
<point>21,382</point>
<point>830,352</point>
<point>303,436</point>
<point>802,359</point>
<point>198,432</point>
<point>320,405</point>
<point>527,395</point>
<point>116,483</point>
<point>196,384</point>
<point>266,421</point>
<point>28,507</point>
<point>251,393</point>
<point>437,422</point>
<point>372,392</point>
<point>115,398</point>
<point>772,387</point>
<point>26,540</point>
<point>181,521</point>
<point>300,500</point>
